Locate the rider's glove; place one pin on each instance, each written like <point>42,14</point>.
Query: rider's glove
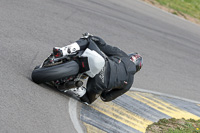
<point>98,41</point>
<point>86,35</point>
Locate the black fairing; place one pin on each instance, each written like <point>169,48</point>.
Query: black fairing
<point>47,74</point>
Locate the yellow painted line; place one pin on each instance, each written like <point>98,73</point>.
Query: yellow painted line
<point>198,104</point>
<point>122,115</point>
<point>92,129</point>
<point>162,106</point>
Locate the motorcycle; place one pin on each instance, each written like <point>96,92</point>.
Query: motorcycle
<point>62,72</point>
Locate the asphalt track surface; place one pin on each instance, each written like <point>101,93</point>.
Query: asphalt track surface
<point>29,29</point>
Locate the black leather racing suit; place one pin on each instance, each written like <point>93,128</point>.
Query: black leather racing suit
<point>115,78</point>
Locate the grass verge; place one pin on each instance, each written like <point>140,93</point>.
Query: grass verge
<point>174,126</point>
<point>188,9</point>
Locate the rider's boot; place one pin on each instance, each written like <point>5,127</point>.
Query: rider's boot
<point>67,50</point>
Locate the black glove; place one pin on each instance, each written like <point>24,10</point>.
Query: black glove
<point>86,35</point>
<point>98,40</point>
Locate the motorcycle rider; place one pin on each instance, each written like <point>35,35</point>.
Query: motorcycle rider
<point>111,77</point>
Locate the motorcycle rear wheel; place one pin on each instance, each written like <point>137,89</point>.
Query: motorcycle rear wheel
<point>47,74</point>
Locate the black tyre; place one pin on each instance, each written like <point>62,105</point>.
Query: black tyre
<point>47,74</point>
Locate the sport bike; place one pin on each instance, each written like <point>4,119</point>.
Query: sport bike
<point>61,72</point>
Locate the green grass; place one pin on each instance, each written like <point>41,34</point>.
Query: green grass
<point>175,126</point>
<point>189,7</point>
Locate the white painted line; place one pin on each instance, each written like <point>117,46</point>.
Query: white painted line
<point>163,94</point>
<point>73,115</point>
